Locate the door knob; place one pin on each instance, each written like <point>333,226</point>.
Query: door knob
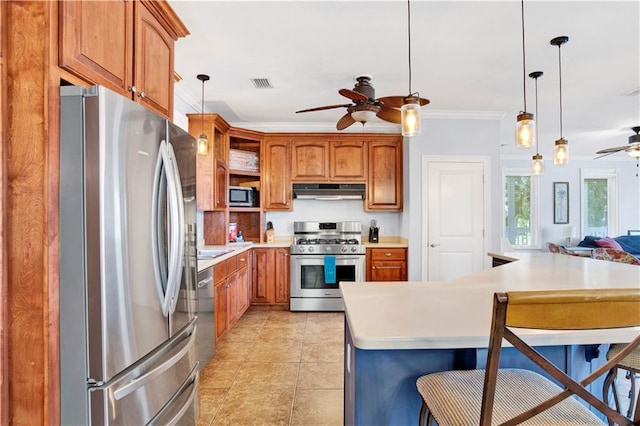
<point>433,245</point>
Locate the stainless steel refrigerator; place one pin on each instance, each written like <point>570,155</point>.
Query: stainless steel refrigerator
<point>127,254</point>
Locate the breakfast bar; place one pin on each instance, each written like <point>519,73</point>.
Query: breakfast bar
<point>396,332</point>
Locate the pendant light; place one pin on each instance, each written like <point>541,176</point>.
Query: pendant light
<point>537,164</point>
<point>561,154</point>
<point>525,126</point>
<point>410,110</point>
<point>203,142</point>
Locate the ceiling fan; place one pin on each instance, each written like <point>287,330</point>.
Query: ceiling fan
<point>632,148</point>
<point>365,106</point>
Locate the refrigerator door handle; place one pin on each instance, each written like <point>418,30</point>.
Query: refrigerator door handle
<point>179,227</point>
<point>164,164</point>
<point>145,378</point>
<point>191,381</point>
<point>155,227</point>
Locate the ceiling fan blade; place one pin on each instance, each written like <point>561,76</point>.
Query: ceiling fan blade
<point>391,115</point>
<point>397,101</point>
<point>611,150</point>
<point>353,95</point>
<point>345,121</point>
<point>324,107</point>
<point>392,101</point>
<point>604,155</point>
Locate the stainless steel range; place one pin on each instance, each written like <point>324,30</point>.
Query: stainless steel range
<point>324,254</point>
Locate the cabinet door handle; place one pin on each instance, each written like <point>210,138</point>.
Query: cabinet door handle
<point>388,254</point>
<point>242,259</point>
<point>141,95</point>
<point>132,89</point>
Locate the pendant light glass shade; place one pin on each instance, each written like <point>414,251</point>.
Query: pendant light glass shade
<point>525,124</point>
<point>537,165</point>
<point>203,142</point>
<point>410,117</point>
<point>525,130</point>
<point>561,153</point>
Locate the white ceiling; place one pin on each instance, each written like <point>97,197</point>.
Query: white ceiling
<point>466,59</point>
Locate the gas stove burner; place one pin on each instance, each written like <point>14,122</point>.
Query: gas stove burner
<point>316,241</point>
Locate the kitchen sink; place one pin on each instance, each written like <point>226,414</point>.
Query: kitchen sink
<point>212,253</point>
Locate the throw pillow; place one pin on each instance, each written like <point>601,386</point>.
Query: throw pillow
<point>608,243</point>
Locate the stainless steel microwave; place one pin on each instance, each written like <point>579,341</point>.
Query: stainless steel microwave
<point>243,196</point>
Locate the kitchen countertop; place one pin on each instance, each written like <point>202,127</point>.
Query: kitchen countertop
<point>237,248</point>
<point>386,242</point>
<point>457,313</point>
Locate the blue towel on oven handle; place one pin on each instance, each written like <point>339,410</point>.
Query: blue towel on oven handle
<point>329,269</point>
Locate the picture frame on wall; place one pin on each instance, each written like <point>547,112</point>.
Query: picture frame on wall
<point>560,202</point>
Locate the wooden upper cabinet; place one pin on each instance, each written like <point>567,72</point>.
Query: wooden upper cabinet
<point>348,161</point>
<point>153,63</point>
<point>123,45</point>
<point>384,184</point>
<point>277,175</point>
<point>309,160</point>
<point>85,49</point>
<point>211,168</point>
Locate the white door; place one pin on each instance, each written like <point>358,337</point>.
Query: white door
<point>454,217</point>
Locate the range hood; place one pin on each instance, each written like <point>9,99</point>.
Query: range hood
<point>329,191</point>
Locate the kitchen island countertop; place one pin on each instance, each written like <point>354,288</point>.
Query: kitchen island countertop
<point>457,313</point>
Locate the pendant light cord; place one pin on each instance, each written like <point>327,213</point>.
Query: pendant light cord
<point>560,79</point>
<point>537,134</point>
<point>524,68</point>
<point>409,38</point>
<point>202,110</point>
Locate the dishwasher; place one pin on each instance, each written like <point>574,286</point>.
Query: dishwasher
<point>206,334</point>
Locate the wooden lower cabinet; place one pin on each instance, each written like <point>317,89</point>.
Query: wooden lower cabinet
<point>386,264</point>
<point>221,309</point>
<point>270,284</point>
<point>232,292</point>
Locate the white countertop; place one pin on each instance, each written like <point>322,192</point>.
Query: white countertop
<point>237,248</point>
<point>457,313</point>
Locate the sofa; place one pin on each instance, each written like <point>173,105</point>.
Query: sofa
<point>628,243</point>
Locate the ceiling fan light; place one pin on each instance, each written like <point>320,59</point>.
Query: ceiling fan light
<point>561,154</point>
<point>410,117</point>
<point>634,152</point>
<point>525,130</point>
<point>363,115</point>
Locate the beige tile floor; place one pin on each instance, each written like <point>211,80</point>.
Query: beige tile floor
<point>282,368</point>
<point>276,368</point>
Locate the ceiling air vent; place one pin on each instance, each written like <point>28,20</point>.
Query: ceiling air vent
<point>261,83</point>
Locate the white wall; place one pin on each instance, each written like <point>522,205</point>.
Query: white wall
<point>447,137</point>
<point>628,192</point>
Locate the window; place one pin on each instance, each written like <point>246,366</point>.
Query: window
<point>521,208</point>
<point>599,202</point>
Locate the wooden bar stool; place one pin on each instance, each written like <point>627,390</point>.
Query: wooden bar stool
<point>630,363</point>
